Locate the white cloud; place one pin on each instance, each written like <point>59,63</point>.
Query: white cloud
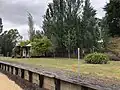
<point>99,5</point>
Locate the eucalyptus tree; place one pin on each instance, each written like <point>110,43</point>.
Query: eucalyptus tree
<point>105,32</point>
<point>1,29</point>
<point>72,17</point>
<point>9,40</point>
<point>1,26</point>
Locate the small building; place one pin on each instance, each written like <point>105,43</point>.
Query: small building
<point>22,51</point>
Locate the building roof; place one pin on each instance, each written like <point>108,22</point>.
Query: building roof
<point>29,45</point>
<point>18,44</point>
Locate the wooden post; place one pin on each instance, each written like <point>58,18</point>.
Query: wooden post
<point>78,62</point>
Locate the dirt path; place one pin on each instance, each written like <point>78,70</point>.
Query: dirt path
<point>6,84</point>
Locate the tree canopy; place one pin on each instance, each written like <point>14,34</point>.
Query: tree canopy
<point>113,17</point>
<point>9,40</point>
<point>72,24</point>
<point>31,31</point>
<point>41,46</point>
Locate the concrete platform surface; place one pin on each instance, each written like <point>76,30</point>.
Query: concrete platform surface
<point>7,84</point>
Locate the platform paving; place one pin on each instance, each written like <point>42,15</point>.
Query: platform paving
<point>7,84</point>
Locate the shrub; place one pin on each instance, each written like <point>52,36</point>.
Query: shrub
<point>96,58</point>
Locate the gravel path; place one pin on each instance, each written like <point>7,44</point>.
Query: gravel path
<point>7,84</point>
<point>23,84</point>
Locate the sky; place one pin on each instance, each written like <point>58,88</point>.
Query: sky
<point>14,13</point>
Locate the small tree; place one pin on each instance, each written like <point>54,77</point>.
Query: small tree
<point>41,46</point>
<point>9,40</point>
<point>96,58</point>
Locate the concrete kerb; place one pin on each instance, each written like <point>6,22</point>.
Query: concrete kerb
<point>51,75</point>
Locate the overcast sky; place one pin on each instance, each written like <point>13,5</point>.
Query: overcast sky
<point>14,13</point>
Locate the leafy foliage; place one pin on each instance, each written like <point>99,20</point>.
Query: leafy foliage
<point>41,46</point>
<point>38,34</point>
<point>89,30</point>
<point>72,25</point>
<point>24,43</point>
<point>31,27</point>
<point>1,26</point>
<point>113,17</point>
<point>9,40</point>
<point>105,36</point>
<point>96,58</point>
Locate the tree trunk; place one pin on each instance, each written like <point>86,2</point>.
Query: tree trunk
<point>54,54</point>
<point>81,46</point>
<point>69,55</point>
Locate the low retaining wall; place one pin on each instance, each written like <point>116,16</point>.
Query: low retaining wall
<point>45,80</point>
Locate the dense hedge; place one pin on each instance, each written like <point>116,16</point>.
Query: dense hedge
<point>96,58</point>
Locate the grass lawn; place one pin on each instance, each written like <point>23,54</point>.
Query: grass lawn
<point>110,70</point>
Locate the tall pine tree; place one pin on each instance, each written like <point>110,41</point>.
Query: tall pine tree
<point>113,17</point>
<point>89,30</point>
